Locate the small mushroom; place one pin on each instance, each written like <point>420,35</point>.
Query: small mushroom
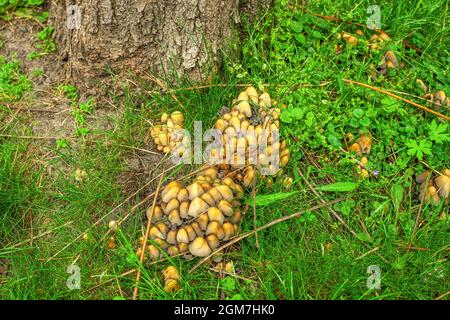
<point>195,190</point>
<point>264,100</point>
<point>171,273</point>
<point>229,231</point>
<point>172,205</point>
<point>111,243</point>
<point>443,183</point>
<point>196,207</point>
<point>214,214</point>
<point>190,232</point>
<point>431,196</point>
<point>113,225</point>
<point>199,247</point>
<point>172,237</point>
<point>153,251</point>
<point>173,251</point>
<point>225,191</point>
<point>244,108</point>
<point>252,94</point>
<point>182,236</point>
<point>164,117</point>
<point>175,218</point>
<point>423,177</point>
<point>215,227</point>
<point>156,233</point>
<point>171,286</point>
<point>249,177</point>
<point>158,214</point>
<point>183,195</point>
<point>170,192</point>
<point>177,117</point>
<point>208,198</point>
<point>225,207</point>
<point>213,241</point>
<point>196,227</point>
<point>236,217</point>
<point>184,208</point>
<point>365,143</point>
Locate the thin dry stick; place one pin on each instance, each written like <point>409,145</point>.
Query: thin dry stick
<point>416,224</point>
<point>337,19</point>
<point>112,279</point>
<point>40,235</point>
<point>428,166</point>
<point>443,295</point>
<point>223,85</point>
<point>415,248</point>
<point>147,232</point>
<point>118,286</point>
<point>356,160</point>
<point>367,253</point>
<point>254,213</point>
<point>398,98</point>
<point>152,194</point>
<point>32,110</point>
<point>36,137</point>
<point>333,212</point>
<point>268,225</point>
<point>100,220</point>
<point>138,149</point>
<point>231,274</point>
<point>165,88</point>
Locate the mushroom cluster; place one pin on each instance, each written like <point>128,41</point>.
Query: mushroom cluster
<point>194,219</point>
<point>361,146</point>
<point>376,40</point>
<point>171,279</point>
<point>432,190</point>
<point>389,61</point>
<point>249,134</point>
<point>166,135</point>
<point>439,99</point>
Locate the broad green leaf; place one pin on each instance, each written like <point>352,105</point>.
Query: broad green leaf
<point>358,113</point>
<point>438,132</point>
<point>267,199</point>
<point>339,187</point>
<point>397,195</point>
<point>364,237</point>
<point>300,38</point>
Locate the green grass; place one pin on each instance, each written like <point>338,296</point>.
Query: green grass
<point>13,83</point>
<point>312,257</point>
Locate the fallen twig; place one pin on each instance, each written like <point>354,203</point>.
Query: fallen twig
<point>337,19</point>
<point>268,225</point>
<point>398,98</point>
<point>254,213</point>
<point>101,219</point>
<point>151,195</point>
<point>147,232</point>
<point>367,253</point>
<point>112,279</point>
<point>443,295</point>
<point>40,235</point>
<point>36,137</point>
<point>333,212</point>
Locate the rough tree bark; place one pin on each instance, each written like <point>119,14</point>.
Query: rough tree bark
<point>141,35</point>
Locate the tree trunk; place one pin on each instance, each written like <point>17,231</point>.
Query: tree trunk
<point>136,35</point>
